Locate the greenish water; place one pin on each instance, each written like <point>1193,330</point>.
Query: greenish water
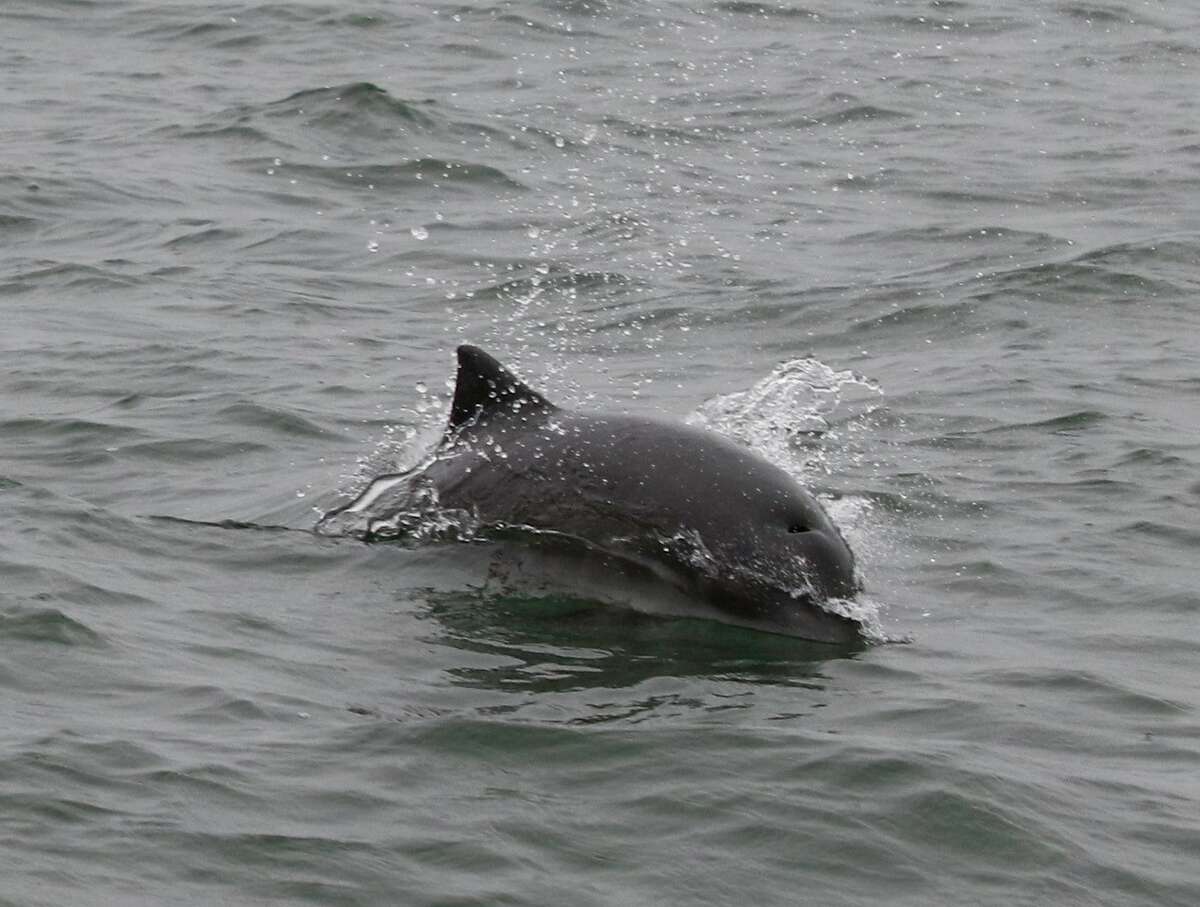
<point>238,244</point>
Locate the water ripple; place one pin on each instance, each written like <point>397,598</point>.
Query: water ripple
<point>47,625</point>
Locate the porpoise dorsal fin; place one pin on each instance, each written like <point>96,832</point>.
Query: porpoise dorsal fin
<point>484,384</point>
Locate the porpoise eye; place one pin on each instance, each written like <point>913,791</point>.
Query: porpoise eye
<point>797,527</point>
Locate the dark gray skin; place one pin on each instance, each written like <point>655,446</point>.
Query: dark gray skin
<point>717,522</point>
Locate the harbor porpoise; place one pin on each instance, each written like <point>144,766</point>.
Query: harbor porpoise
<point>707,518</point>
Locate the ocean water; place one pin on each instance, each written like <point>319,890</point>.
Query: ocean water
<point>942,259</point>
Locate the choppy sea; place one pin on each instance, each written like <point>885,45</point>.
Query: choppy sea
<point>941,258</point>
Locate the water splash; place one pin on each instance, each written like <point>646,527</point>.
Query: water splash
<point>796,402</point>
<point>865,611</point>
<point>401,507</point>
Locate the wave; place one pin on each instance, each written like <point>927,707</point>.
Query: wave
<point>274,419</point>
<point>1077,279</point>
<point>68,276</point>
<point>976,23</point>
<point>205,236</point>
<point>1107,15</point>
<point>344,122</point>
<point>432,173</point>
<point>12,224</point>
<point>766,10</point>
<point>81,430</point>
<point>355,105</point>
<point>1184,537</point>
<point>47,625</point>
<point>362,110</point>
<point>1035,240</point>
<point>527,23</point>
<point>192,450</point>
<point>855,113</point>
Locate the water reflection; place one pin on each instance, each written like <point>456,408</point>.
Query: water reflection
<point>560,644</point>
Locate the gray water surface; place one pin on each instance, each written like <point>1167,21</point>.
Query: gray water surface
<point>238,244</point>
